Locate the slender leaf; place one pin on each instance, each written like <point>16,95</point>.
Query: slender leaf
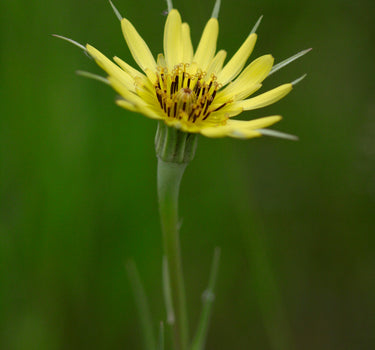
<point>208,299</point>
<point>142,306</point>
<point>161,337</point>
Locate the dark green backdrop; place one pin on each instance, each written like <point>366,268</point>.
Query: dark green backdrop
<point>295,220</point>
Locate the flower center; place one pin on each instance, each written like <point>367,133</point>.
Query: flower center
<point>185,96</point>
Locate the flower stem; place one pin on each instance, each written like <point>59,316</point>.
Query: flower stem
<point>169,179</point>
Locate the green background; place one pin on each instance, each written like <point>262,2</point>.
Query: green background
<point>295,220</point>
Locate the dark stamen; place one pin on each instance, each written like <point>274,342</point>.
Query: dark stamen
<point>224,104</point>
<point>173,85</point>
<point>206,116</point>
<point>159,99</point>
<point>205,108</point>
<point>180,97</point>
<point>191,114</point>
<point>175,110</point>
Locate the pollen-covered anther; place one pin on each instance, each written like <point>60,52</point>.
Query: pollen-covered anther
<point>184,104</point>
<point>184,96</point>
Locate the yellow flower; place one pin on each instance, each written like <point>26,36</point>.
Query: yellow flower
<point>193,91</point>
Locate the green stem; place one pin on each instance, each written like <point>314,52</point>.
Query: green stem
<point>169,179</point>
<point>174,149</point>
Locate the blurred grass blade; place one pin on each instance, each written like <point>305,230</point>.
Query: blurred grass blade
<point>161,336</point>
<point>142,306</point>
<point>261,281</point>
<point>284,63</point>
<point>208,299</point>
<point>167,292</point>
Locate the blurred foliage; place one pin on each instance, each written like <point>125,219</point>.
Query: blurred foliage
<point>78,192</point>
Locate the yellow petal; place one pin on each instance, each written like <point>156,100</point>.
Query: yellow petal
<point>216,131</point>
<point>229,130</point>
<point>249,80</point>
<point>138,77</point>
<point>229,111</point>
<point>255,124</point>
<point>149,97</point>
<point>266,98</point>
<point>242,129</point>
<point>127,105</point>
<point>128,68</point>
<point>173,49</point>
<point>192,68</point>
<point>112,69</point>
<point>244,134</point>
<point>137,46</point>
<point>216,63</point>
<point>239,128</point>
<point>139,109</point>
<point>186,43</point>
<point>149,112</point>
<point>125,93</point>
<point>151,75</point>
<point>180,125</point>
<point>161,61</point>
<point>207,45</point>
<point>256,71</point>
<point>237,62</point>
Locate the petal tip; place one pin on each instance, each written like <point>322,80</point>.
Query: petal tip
<point>76,43</point>
<point>255,28</point>
<point>170,5</point>
<point>279,134</point>
<point>117,12</point>
<point>298,80</point>
<point>216,10</point>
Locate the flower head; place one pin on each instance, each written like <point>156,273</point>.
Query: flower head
<point>194,91</point>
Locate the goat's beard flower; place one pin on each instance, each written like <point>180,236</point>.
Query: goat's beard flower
<point>193,91</point>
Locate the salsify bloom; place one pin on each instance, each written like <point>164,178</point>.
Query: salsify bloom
<point>194,91</point>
